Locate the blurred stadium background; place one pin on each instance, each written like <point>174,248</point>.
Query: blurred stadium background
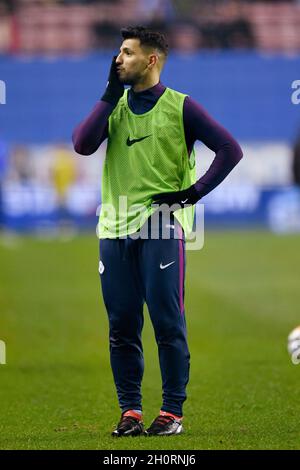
<point>240,60</point>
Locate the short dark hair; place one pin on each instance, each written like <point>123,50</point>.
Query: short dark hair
<point>147,37</point>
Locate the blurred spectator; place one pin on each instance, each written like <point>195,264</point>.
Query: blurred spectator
<point>239,34</point>
<point>21,165</point>
<point>184,37</point>
<point>236,34</point>
<point>8,5</point>
<point>107,35</point>
<point>5,27</point>
<point>64,176</point>
<point>157,11</point>
<point>230,30</point>
<point>63,172</point>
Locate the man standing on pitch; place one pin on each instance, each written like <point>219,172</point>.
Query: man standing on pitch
<point>151,131</point>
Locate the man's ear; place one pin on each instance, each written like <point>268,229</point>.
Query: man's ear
<point>153,59</point>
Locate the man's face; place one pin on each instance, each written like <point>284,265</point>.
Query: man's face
<point>132,62</point>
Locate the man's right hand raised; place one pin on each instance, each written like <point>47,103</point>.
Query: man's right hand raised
<point>114,88</point>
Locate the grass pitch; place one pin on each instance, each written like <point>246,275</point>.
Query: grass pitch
<point>242,300</point>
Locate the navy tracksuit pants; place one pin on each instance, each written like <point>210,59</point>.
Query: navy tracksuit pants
<point>133,272</point>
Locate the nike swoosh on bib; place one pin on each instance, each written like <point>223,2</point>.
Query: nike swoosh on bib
<point>134,141</point>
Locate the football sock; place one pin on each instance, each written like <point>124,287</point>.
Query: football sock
<point>166,413</point>
<point>137,414</point>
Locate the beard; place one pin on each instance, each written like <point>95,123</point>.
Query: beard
<point>129,80</point>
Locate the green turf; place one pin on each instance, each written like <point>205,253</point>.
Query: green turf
<point>242,299</point>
